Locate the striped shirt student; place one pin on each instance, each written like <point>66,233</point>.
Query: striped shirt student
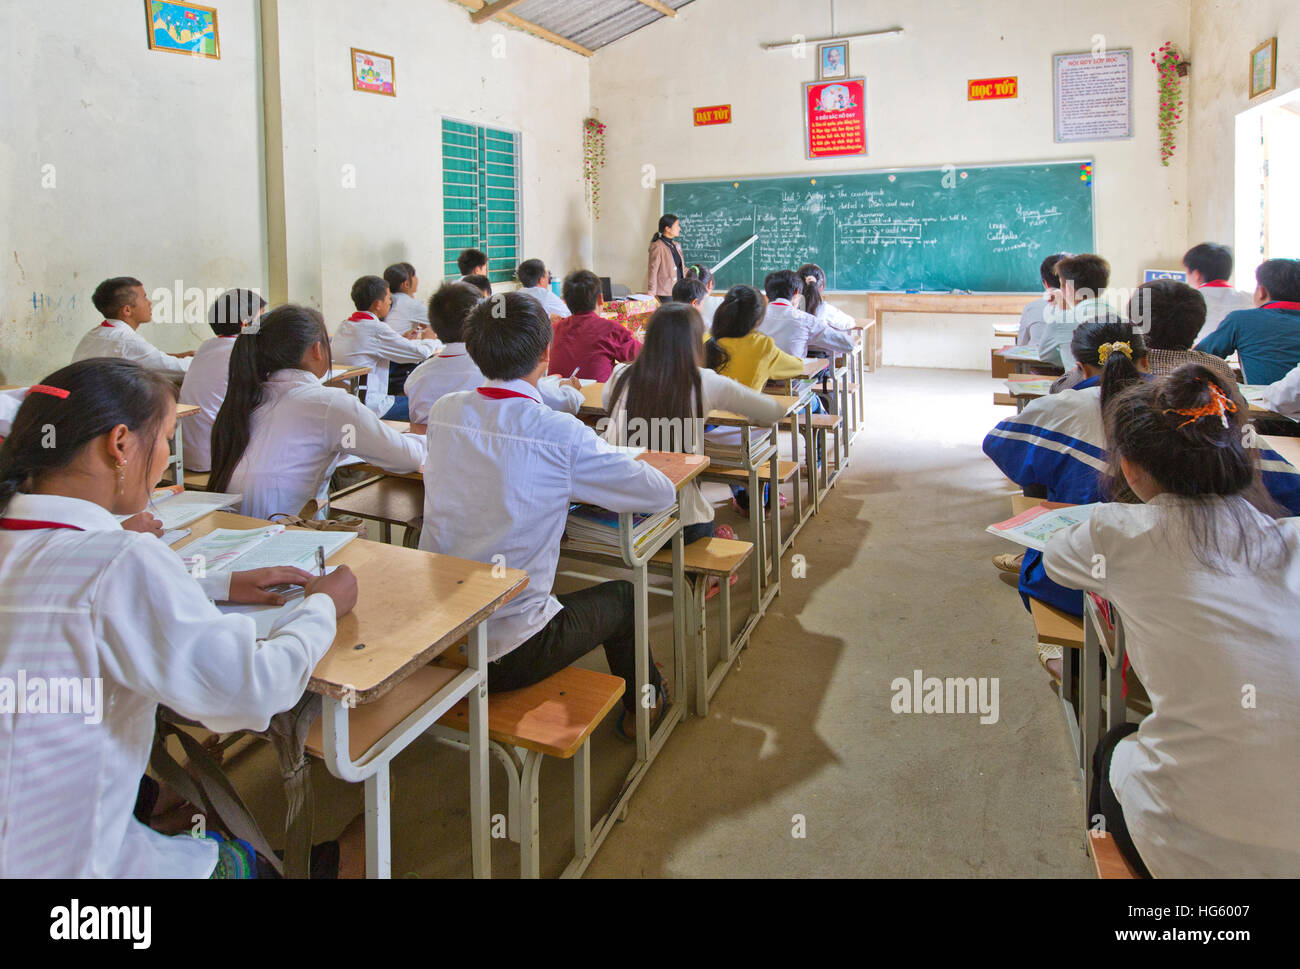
<point>100,625</point>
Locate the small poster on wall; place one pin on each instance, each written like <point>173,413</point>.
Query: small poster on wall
<point>835,113</point>
<point>183,28</point>
<point>1094,96</point>
<point>373,73</point>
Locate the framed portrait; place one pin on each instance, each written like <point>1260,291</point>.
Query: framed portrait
<point>183,28</point>
<point>373,73</point>
<point>1263,68</point>
<point>833,61</point>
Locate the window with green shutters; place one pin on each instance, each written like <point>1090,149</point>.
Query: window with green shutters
<point>480,196</point>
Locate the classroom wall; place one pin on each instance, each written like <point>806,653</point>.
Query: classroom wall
<point>155,171</point>
<point>917,115</point>
<point>387,206</point>
<point>1223,33</point>
<point>161,159</point>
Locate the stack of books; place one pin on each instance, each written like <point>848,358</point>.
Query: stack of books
<point>593,529</point>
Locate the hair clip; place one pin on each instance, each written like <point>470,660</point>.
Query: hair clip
<point>1106,349</point>
<point>1220,405</point>
<point>51,391</point>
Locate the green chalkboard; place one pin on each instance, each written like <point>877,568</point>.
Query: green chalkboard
<point>978,228</point>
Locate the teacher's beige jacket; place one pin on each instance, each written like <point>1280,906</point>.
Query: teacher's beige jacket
<point>663,270</point>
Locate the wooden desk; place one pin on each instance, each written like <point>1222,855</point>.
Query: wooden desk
<point>412,606</point>
<point>593,407</point>
<point>348,379</point>
<point>999,304</point>
<point>1288,447</point>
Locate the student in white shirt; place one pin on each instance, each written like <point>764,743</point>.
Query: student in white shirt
<point>708,304</point>
<point>1034,317</point>
<point>205,383</point>
<point>535,281</point>
<point>471,262</point>
<point>660,401</point>
<point>691,291</point>
<point>281,433</point>
<point>454,370</point>
<point>1209,267</point>
<point>1209,590</point>
<point>481,283</point>
<point>1083,280</point>
<point>84,601</point>
<point>125,307</point>
<point>10,401</point>
<point>1283,397</point>
<point>364,340</point>
<point>793,330</point>
<point>813,278</point>
<point>508,469</point>
<point>407,313</point>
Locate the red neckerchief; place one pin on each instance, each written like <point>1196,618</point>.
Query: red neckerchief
<point>1218,284</point>
<point>500,393</point>
<point>782,302</point>
<point>15,525</point>
<point>107,325</point>
<point>361,316</point>
<point>449,356</point>
<point>1281,305</point>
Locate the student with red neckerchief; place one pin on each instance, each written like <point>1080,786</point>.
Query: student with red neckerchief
<point>1209,267</point>
<point>1267,338</point>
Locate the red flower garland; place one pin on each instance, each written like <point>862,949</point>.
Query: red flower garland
<point>1168,61</point>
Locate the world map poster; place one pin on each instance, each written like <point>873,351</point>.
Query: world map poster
<point>183,28</point>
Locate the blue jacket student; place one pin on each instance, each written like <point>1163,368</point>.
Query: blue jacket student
<point>1056,442</point>
<point>1267,341</point>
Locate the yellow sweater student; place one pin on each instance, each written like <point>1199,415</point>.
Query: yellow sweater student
<point>738,351</point>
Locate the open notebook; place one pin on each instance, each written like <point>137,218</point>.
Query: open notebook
<point>1035,527</point>
<point>241,550</point>
<point>176,508</point>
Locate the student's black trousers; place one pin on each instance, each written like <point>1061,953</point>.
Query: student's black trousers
<point>1102,800</point>
<point>600,615</point>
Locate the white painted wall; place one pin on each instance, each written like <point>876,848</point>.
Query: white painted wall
<point>159,158</point>
<point>917,115</point>
<point>1224,32</point>
<point>156,164</point>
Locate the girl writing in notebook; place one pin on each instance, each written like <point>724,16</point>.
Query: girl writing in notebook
<point>1208,586</point>
<point>115,614</point>
<point>281,433</point>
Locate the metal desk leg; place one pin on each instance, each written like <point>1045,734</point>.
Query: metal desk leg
<point>756,533</point>
<point>811,448</point>
<point>379,863</point>
<point>582,801</point>
<point>774,464</point>
<point>180,454</point>
<point>641,609</point>
<point>479,800</point>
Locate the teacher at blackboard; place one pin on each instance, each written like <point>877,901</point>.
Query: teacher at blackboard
<point>667,263</point>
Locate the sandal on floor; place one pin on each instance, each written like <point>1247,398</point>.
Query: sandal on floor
<point>1048,653</point>
<point>742,511</point>
<point>715,587</point>
<point>725,532</point>
<point>654,722</point>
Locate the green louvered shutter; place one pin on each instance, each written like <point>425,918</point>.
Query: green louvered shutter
<point>480,178</point>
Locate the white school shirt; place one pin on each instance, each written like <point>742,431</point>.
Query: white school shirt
<point>452,371</point>
<point>96,602</point>
<point>1282,397</point>
<point>299,434</point>
<point>717,393</point>
<point>835,317</point>
<point>550,302</point>
<point>113,338</point>
<point>1219,302</point>
<point>364,341</point>
<point>1032,321</point>
<point>11,401</point>
<point>407,313</point>
<point>1058,330</point>
<point>205,386</point>
<point>708,306</point>
<point>1210,785</point>
<point>797,332</point>
<point>508,469</point>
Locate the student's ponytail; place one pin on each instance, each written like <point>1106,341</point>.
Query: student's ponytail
<point>814,281</point>
<point>279,342</point>
<point>1110,344</point>
<point>72,407</point>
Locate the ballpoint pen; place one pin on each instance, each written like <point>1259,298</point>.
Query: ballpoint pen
<point>320,560</point>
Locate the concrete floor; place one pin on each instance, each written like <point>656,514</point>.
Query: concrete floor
<point>801,735</point>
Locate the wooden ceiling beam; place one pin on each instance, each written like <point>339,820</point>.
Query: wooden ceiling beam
<point>486,13</point>
<point>527,26</point>
<point>663,8</point>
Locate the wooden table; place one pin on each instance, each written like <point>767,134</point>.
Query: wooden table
<point>1288,447</point>
<point>998,304</point>
<point>412,606</point>
<point>348,378</point>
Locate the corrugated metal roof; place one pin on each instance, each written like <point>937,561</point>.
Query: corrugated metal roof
<point>592,23</point>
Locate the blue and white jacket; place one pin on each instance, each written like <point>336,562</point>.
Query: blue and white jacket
<point>1059,443</point>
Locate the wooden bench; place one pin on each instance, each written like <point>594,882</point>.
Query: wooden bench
<point>1004,400</point>
<point>554,718</point>
<point>389,501</point>
<point>787,471</point>
<point>1107,860</point>
<point>194,480</point>
<point>711,558</point>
